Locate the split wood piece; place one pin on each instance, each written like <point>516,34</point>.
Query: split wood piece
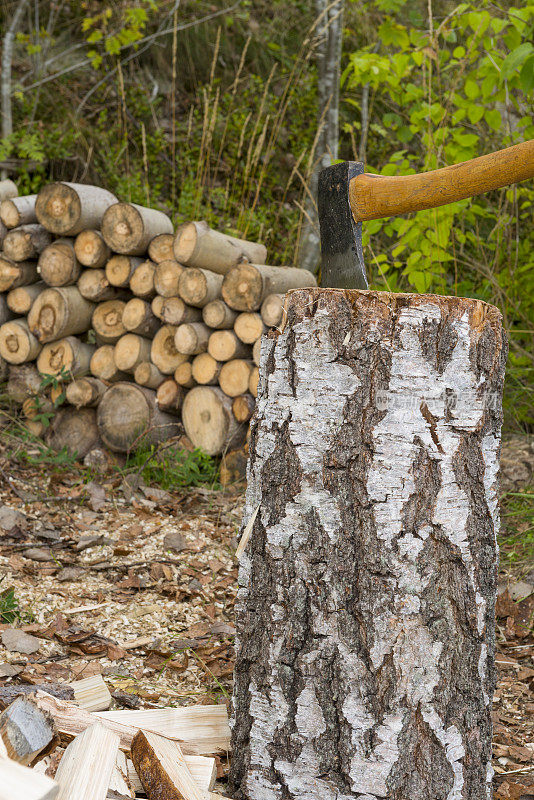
<point>415,383</point>
<point>128,228</point>
<point>60,312</point>
<point>91,249</point>
<point>246,286</point>
<point>142,280</point>
<point>68,355</point>
<point>225,345</point>
<point>157,306</point>
<point>120,783</point>
<point>161,248</point>
<point>205,369</point>
<point>6,313</point>
<point>234,377</point>
<point>23,783</point>
<point>197,245</point>
<point>137,317</point>
<point>170,396</point>
<point>75,430</point>
<point>209,422</point>
<point>107,321</point>
<point>167,277</point>
<point>26,242</point>
<point>256,352</point>
<point>128,415</point>
<point>119,269</point>
<point>249,326</point>
<point>24,381</point>
<point>130,351</point>
<point>233,467</point>
<point>272,310</point>
<point>192,338</point>
<point>254,381</point>
<point>18,211</point>
<point>58,265</point>
<point>218,315</point>
<point>103,365</point>
<point>85,392</point>
<point>183,375</point>
<point>243,407</point>
<point>16,273</point>
<point>67,209</point>
<point>26,731</point>
<point>8,189</point>
<point>87,765</point>
<point>147,374</point>
<point>162,768</point>
<point>17,343</point>
<point>20,300</point>
<point>202,768</point>
<point>174,311</point>
<point>92,693</point>
<point>164,353</point>
<point>94,286</point>
<point>197,287</point>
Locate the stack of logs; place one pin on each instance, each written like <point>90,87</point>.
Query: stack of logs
<point>141,327</point>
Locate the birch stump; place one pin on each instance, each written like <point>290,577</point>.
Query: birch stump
<point>367,588</point>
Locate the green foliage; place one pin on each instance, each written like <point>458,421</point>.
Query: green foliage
<point>172,467</point>
<point>517,535</point>
<point>10,610</point>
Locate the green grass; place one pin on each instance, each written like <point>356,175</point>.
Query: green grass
<point>10,610</point>
<point>517,533</point>
<point>172,467</point>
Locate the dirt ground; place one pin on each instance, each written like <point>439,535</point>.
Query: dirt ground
<point>138,584</point>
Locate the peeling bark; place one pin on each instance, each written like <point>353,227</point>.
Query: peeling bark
<point>365,613</point>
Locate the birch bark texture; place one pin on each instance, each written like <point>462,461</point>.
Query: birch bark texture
<point>365,614</point>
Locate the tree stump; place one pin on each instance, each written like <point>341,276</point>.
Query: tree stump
<point>365,614</point>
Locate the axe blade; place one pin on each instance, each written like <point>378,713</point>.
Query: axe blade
<point>342,263</point>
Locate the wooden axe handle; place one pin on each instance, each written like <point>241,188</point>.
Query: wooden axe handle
<point>376,196</point>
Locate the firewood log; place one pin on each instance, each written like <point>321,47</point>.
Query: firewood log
<point>192,338</point>
<point>18,211</point>
<point>246,286</point>
<point>157,306</point>
<point>162,768</point>
<point>128,228</point>
<point>167,277</point>
<point>26,731</point>
<point>243,407</point>
<point>103,365</point>
<point>130,351</point>
<point>75,430</point>
<point>272,310</point>
<point>183,375</point>
<point>24,381</point>
<point>87,765</point>
<point>164,353</point>
<point>6,313</point>
<point>218,315</point>
<point>91,249</point>
<point>128,415</point>
<point>234,376</point>
<point>60,312</point>
<point>197,245</point>
<point>253,382</point>
<point>20,300</point>
<point>203,770</point>
<point>209,422</point>
<point>147,374</point>
<point>107,321</point>
<point>137,317</point>
<point>58,265</point>
<point>170,396</point>
<point>67,209</point>
<point>256,351</point>
<point>205,369</point>
<point>26,242</point>
<point>17,781</point>
<point>67,355</point>
<point>85,392</point>
<point>33,406</point>
<point>197,287</point>
<point>249,327</point>
<point>225,345</point>
<point>175,312</point>
<point>94,286</point>
<point>142,280</point>
<point>16,273</point>
<point>17,343</point>
<point>119,269</point>
<point>161,248</point>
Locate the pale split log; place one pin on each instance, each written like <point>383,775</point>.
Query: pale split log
<point>253,382</point>
<point>183,375</point>
<point>234,377</point>
<point>107,321</point>
<point>192,338</point>
<point>87,765</point>
<point>18,211</point>
<point>137,317</point>
<point>60,312</point>
<point>205,369</point>
<point>120,782</point>
<point>68,355</point>
<point>167,277</point>
<point>249,327</point>
<point>16,273</point>
<point>128,228</point>
<point>17,342</point>
<point>75,430</point>
<point>128,416</point>
<point>209,422</point>
<point>24,381</point>
<point>26,731</point>
<point>256,352</point>
<point>142,280</point>
<point>130,351</point>
<point>170,396</point>
<point>92,693</point>
<point>164,353</point>
<point>246,286</point>
<point>218,315</point>
<point>119,269</point>
<point>243,407</point>
<point>162,768</point>
<point>365,613</point>
<point>147,374</point>
<point>20,300</point>
<point>272,310</point>
<point>66,209</point>
<point>8,189</point>
<point>6,313</point>
<point>103,365</point>
<point>91,249</point>
<point>197,245</point>
<point>225,345</point>
<point>173,311</point>
<point>26,242</point>
<point>21,782</point>
<point>161,248</point>
<point>94,286</point>
<point>197,287</point>
<point>85,392</point>
<point>58,265</point>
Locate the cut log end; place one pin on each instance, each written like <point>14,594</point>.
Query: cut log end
<point>209,422</point>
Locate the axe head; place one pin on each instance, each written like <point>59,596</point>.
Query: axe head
<point>341,237</point>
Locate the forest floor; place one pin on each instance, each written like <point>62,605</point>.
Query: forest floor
<point>138,584</point>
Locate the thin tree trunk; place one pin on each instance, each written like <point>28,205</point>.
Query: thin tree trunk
<point>7,59</point>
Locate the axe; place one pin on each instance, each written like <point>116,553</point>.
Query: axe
<point>347,197</point>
